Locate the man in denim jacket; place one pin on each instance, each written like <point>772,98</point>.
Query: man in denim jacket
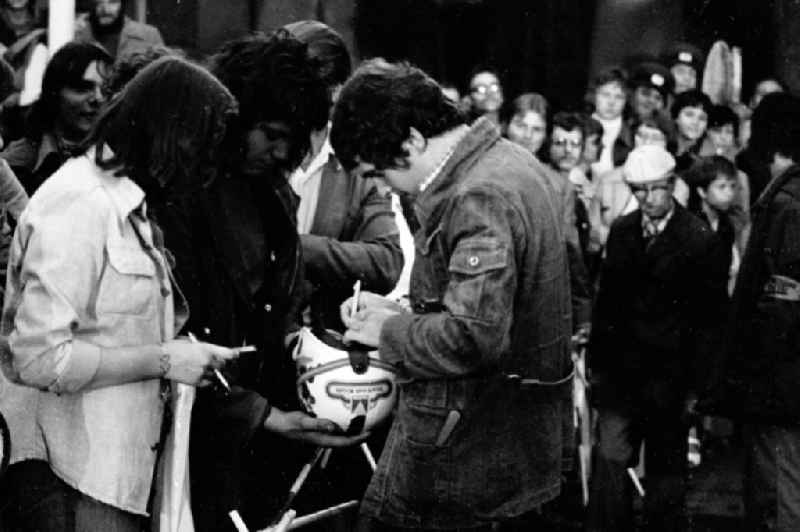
<point>484,356</point>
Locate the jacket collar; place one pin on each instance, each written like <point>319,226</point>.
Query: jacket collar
<point>788,182</point>
<point>429,204</point>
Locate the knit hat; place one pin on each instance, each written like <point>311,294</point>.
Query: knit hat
<point>647,164</point>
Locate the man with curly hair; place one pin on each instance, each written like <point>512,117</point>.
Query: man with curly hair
<point>239,268</point>
<point>484,355</point>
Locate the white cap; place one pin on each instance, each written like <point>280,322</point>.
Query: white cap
<point>647,164</point>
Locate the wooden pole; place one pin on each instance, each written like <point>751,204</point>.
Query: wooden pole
<point>141,10</point>
<point>61,24</point>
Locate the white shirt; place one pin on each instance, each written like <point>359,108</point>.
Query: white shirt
<point>305,184</point>
<point>611,130</point>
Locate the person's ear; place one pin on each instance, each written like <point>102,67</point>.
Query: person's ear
<point>416,142</point>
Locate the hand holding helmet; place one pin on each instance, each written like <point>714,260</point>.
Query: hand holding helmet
<point>300,426</point>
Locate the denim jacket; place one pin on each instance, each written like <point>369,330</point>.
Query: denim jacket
<point>80,280</point>
<point>490,291</point>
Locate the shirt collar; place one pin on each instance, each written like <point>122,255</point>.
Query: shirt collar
<point>300,176</point>
<point>125,194</point>
<point>659,224</point>
<point>48,145</point>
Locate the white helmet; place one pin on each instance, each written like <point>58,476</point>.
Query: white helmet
<point>354,389</point>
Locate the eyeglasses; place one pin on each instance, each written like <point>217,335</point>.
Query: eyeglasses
<point>643,190</point>
<point>482,90</point>
<point>566,142</point>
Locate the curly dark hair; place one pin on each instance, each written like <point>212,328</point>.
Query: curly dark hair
<point>166,128</point>
<point>274,80</point>
<point>691,98</point>
<point>377,108</point>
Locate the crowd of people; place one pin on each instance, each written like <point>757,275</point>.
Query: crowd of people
<point>159,212</point>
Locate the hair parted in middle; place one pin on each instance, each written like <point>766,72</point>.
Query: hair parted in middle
<point>165,128</point>
<point>377,108</point>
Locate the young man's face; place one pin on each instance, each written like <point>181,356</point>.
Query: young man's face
<point>655,198</point>
<point>720,193</point>
<point>646,100</point>
<point>528,130</point>
<point>692,122</point>
<point>609,100</point>
<point>685,78</point>
<point>566,148</point>
<point>268,149</point>
<point>648,135</point>
<point>486,92</point>
<point>107,11</point>
<point>722,137</point>
<point>80,105</point>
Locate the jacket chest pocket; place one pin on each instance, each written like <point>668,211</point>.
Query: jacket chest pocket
<point>429,276</point>
<point>129,282</point>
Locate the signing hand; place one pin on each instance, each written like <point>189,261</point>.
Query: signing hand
<point>368,300</point>
<point>193,363</point>
<point>302,427</point>
<point>365,326</point>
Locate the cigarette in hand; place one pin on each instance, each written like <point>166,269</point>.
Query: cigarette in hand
<point>244,349</point>
<point>217,373</point>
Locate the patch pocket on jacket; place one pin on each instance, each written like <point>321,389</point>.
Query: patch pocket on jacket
<point>428,426</point>
<point>127,285</point>
<point>472,263</point>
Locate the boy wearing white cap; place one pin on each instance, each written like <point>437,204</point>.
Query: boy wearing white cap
<point>660,306</point>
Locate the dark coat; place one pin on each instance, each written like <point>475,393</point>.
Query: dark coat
<point>237,261</point>
<point>490,292</point>
<point>134,37</point>
<point>659,309</point>
<point>353,237</point>
<point>763,367</point>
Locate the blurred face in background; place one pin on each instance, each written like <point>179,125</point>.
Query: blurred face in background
<point>655,199</point>
<point>685,78</point>
<point>566,148</point>
<point>609,101</point>
<point>648,135</point>
<point>107,11</point>
<point>646,100</point>
<point>592,149</point>
<point>527,129</point>
<point>720,193</point>
<point>485,92</point>
<point>692,123</point>
<point>722,137</point>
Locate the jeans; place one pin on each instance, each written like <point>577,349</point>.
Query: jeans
<point>772,478</point>
<point>36,500</point>
<point>620,434</point>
